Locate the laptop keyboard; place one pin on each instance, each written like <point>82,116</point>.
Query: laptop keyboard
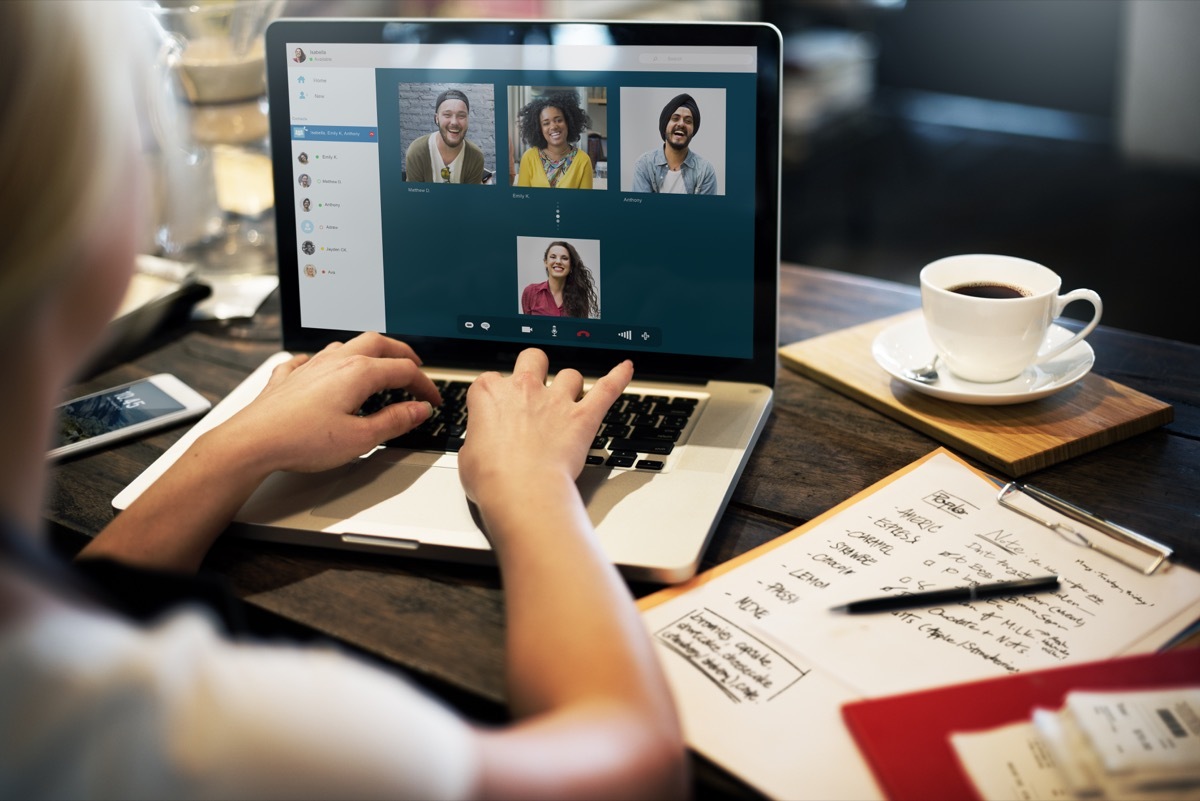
<point>638,432</point>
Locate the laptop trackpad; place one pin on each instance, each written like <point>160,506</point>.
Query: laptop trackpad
<point>399,488</point>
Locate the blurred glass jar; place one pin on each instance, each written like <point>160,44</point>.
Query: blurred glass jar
<point>214,195</point>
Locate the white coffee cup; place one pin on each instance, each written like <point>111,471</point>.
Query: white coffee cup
<point>990,339</point>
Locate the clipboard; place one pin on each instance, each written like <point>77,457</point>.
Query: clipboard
<point>1081,527</point>
<point>761,669</point>
<point>906,738</point>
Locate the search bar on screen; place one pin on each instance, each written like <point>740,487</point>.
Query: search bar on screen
<point>697,59</point>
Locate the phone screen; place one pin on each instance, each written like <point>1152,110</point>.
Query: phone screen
<point>113,410</point>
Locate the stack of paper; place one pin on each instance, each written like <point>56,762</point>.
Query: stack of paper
<point>1101,745</point>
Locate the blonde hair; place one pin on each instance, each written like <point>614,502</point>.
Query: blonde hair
<point>67,72</point>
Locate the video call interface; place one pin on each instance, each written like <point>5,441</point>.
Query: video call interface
<point>527,194</point>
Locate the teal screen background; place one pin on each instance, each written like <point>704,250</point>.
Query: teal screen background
<point>681,264</point>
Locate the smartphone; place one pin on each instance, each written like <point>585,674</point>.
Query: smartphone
<point>120,413</point>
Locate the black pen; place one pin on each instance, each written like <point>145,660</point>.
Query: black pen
<point>915,599</point>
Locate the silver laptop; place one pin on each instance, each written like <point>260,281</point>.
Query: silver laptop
<point>378,232</point>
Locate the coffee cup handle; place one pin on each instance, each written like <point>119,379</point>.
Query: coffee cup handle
<point>1060,303</point>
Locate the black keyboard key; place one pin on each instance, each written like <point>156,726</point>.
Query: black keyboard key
<point>655,434</point>
<point>673,421</point>
<point>620,461</point>
<point>657,447</point>
<point>618,418</point>
<point>419,441</point>
<point>616,430</point>
<point>594,460</point>
<point>649,464</point>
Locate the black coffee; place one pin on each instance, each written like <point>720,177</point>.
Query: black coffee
<point>986,289</point>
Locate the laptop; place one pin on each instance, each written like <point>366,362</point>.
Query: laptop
<point>377,232</point>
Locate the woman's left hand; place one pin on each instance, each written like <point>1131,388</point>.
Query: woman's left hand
<point>307,420</point>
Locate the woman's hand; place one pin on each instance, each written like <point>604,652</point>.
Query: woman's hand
<point>521,431</point>
<point>306,418</point>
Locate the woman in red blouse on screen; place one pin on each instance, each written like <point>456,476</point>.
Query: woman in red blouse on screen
<point>568,291</point>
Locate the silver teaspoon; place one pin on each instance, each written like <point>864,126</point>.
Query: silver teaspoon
<point>926,374</point>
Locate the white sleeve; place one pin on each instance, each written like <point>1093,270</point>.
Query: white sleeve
<point>91,706</point>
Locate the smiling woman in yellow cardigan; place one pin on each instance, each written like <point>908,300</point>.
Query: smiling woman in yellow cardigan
<point>554,124</point>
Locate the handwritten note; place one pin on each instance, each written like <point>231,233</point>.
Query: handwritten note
<point>745,668</point>
<point>760,665</point>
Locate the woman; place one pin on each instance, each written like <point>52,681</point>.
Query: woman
<point>96,704</point>
<point>568,290</point>
<point>554,124</point>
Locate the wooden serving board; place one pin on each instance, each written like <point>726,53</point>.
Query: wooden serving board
<point>1016,439</point>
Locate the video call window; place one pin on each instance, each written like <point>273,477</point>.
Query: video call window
<point>558,137</point>
<point>448,132</point>
<point>558,277</point>
<point>660,122</point>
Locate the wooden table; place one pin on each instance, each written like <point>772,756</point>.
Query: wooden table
<point>444,623</point>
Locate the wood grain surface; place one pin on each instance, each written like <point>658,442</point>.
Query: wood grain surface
<point>1017,438</point>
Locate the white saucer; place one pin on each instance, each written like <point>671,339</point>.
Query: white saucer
<point>906,345</point>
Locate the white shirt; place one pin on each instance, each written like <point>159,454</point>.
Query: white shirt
<point>92,706</point>
<point>435,159</point>
<point>673,183</point>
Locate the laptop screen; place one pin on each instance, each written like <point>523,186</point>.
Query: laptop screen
<point>595,190</point>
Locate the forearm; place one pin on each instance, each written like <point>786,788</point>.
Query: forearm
<point>572,628</point>
<point>574,635</point>
<point>175,522</point>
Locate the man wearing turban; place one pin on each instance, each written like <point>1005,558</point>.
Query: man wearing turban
<point>675,168</point>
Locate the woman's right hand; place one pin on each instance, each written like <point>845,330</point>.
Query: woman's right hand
<point>522,432</point>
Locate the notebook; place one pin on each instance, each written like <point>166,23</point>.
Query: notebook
<point>377,231</point>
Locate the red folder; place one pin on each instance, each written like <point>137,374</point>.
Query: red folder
<point>906,738</point>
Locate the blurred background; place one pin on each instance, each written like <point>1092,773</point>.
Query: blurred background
<point>1063,131</point>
